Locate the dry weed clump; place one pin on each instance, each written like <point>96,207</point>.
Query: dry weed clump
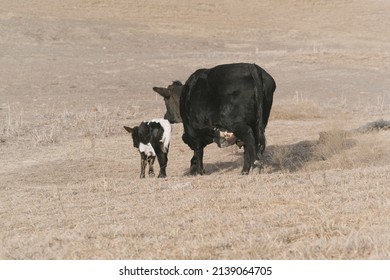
<point>370,150</point>
<point>332,142</point>
<point>340,149</point>
<point>46,135</point>
<point>335,148</point>
<point>289,158</point>
<point>12,124</point>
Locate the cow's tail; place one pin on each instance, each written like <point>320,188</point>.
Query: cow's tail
<point>259,98</point>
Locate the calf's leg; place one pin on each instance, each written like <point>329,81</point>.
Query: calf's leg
<point>143,165</point>
<point>163,162</point>
<point>151,169</point>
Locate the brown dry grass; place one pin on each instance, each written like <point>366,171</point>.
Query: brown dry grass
<point>74,73</point>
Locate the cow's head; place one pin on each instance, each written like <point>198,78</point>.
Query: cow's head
<point>172,101</point>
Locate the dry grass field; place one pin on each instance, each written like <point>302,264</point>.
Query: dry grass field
<point>74,72</point>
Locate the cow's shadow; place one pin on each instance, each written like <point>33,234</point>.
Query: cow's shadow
<point>220,167</point>
<point>292,157</point>
<point>224,166</point>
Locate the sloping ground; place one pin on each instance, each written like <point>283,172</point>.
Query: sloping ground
<point>311,201</point>
<point>73,73</point>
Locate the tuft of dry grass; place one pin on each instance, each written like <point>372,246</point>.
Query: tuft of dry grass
<point>332,142</point>
<point>54,126</point>
<point>12,124</point>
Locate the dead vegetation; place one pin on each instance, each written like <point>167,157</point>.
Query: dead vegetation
<point>53,126</point>
<point>314,199</point>
<point>74,73</point>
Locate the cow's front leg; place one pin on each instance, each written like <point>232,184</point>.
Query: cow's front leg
<point>151,162</point>
<point>193,164</point>
<point>197,162</point>
<point>245,133</point>
<point>143,165</point>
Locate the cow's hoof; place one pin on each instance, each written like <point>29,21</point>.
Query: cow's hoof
<point>200,171</point>
<point>193,170</point>
<point>151,174</point>
<point>244,172</point>
<point>161,175</point>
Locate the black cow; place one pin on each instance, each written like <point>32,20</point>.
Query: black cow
<point>152,139</point>
<point>226,104</point>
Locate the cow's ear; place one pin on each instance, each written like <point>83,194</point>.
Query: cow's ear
<point>164,92</point>
<point>129,129</point>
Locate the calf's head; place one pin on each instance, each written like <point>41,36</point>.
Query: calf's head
<point>134,134</point>
<point>140,134</point>
<point>171,96</point>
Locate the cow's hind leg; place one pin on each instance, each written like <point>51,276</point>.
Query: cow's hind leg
<point>151,169</point>
<point>260,147</point>
<point>260,143</point>
<point>245,133</point>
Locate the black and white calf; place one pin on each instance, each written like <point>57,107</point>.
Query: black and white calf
<point>152,139</point>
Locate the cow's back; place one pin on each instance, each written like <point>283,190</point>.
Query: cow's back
<point>220,96</point>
